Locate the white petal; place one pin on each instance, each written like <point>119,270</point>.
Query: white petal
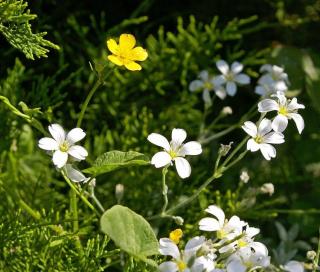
<point>252,145</point>
<point>273,138</point>
<point>169,248</point>
<point>195,85</point>
<point>242,79</point>
<point>280,86</point>
<point>75,135</point>
<point>231,88</point>
<point>206,97</point>
<point>159,140</point>
<point>195,243</point>
<point>59,158</point>
<point>217,212</point>
<point>280,123</point>
<point>221,93</point>
<point>266,80</point>
<point>260,90</point>
<point>294,105</point>
<point>250,231</point>
<point>178,135</point>
<point>268,151</point>
<point>74,174</point>
<point>183,167</point>
<point>49,144</point>
<point>250,128</point>
<point>267,105</point>
<point>294,266</point>
<point>222,66</point>
<point>168,267</point>
<point>236,266</point>
<point>259,248</point>
<point>264,127</point>
<point>217,81</point>
<point>161,159</point>
<point>190,148</point>
<point>297,118</point>
<point>57,133</point>
<point>204,75</point>
<point>209,224</point>
<point>266,68</point>
<point>78,152</point>
<point>236,67</point>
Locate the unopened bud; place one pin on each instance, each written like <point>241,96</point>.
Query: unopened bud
<point>311,255</point>
<point>267,188</point>
<point>226,111</point>
<point>224,149</point>
<point>179,220</point>
<point>119,192</point>
<point>244,177</point>
<point>92,182</point>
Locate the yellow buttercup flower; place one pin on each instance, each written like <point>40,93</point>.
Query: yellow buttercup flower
<point>176,235</point>
<point>125,53</point>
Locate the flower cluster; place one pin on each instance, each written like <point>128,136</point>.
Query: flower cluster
<point>273,80</point>
<point>223,84</point>
<point>232,250</point>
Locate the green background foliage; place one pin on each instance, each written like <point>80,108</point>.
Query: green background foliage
<point>181,41</point>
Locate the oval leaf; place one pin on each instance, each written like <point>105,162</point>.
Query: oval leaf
<point>114,160</point>
<point>130,232</point>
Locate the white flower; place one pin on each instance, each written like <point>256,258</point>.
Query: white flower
<point>262,138</point>
<point>174,151</point>
<point>274,80</point>
<point>287,109</point>
<point>293,266</point>
<point>247,259</point>
<point>63,145</point>
<point>186,261</point>
<point>267,188</point>
<point>232,76</point>
<point>223,227</point>
<point>75,175</point>
<point>208,83</point>
<point>244,177</point>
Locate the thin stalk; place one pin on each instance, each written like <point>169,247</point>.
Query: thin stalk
<point>75,219</point>
<point>219,134</point>
<point>164,190</point>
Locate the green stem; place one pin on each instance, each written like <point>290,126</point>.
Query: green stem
<point>219,134</point>
<point>316,260</point>
<point>164,190</point>
<point>75,219</point>
<point>86,102</point>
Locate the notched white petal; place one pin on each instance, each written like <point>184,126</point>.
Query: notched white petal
<point>159,140</point>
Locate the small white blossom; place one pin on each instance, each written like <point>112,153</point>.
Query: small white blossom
<point>262,138</point>
<point>293,266</point>
<point>232,76</point>
<point>226,111</point>
<point>247,259</point>
<point>187,260</point>
<point>63,145</point>
<point>272,81</point>
<point>208,83</point>
<point>244,177</point>
<point>287,109</point>
<point>175,151</point>
<point>223,227</point>
<point>267,188</point>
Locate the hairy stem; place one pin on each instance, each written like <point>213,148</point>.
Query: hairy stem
<point>164,190</point>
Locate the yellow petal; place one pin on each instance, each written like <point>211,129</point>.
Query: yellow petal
<point>115,60</point>
<point>139,54</point>
<point>132,66</point>
<point>113,46</point>
<point>127,42</point>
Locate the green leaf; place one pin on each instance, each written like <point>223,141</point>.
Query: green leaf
<point>114,160</point>
<point>130,232</point>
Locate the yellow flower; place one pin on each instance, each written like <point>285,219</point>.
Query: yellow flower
<point>125,53</point>
<point>176,235</point>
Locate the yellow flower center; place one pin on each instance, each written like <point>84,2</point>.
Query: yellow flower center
<point>242,243</point>
<point>176,235</point>
<point>208,85</point>
<point>172,153</point>
<point>221,234</point>
<point>229,76</point>
<point>64,147</point>
<point>248,264</point>
<point>181,265</point>
<point>283,110</point>
<point>258,139</point>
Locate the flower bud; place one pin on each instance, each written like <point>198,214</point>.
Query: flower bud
<point>311,254</point>
<point>179,220</point>
<point>119,192</point>
<point>224,149</point>
<point>244,177</point>
<point>226,111</point>
<point>267,188</point>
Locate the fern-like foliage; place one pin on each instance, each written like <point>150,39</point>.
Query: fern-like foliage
<point>15,26</point>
